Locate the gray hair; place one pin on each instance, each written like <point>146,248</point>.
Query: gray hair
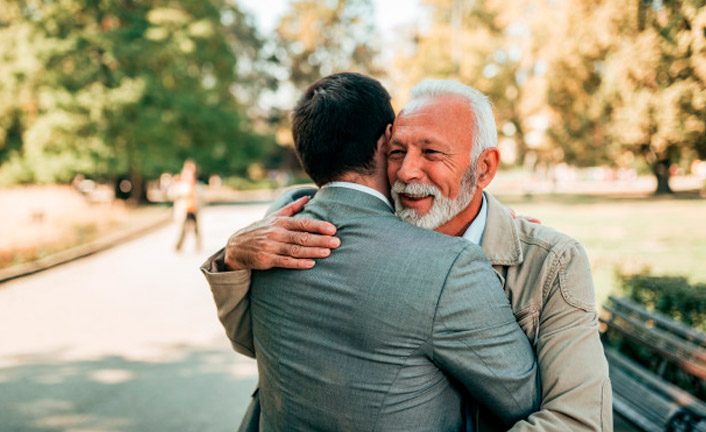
<point>485,132</point>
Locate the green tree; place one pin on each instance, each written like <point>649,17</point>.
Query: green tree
<point>124,86</point>
<point>318,38</point>
<point>631,83</point>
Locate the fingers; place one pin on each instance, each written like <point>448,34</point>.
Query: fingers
<point>262,260</point>
<point>297,244</point>
<point>281,241</point>
<point>309,225</point>
<point>293,208</point>
<point>267,261</point>
<point>294,263</point>
<point>297,251</point>
<point>310,240</point>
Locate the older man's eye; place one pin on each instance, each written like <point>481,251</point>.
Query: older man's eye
<point>395,153</point>
<point>432,152</point>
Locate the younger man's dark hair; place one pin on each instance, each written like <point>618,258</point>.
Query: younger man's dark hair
<point>336,125</point>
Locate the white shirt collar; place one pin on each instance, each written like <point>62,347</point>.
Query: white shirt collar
<point>475,231</point>
<point>359,187</point>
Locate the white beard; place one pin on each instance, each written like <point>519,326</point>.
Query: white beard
<point>443,209</point>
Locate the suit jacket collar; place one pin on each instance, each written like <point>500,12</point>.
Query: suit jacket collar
<point>501,240</point>
<point>350,202</point>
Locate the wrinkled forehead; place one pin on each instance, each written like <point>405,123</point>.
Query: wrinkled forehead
<point>432,115</point>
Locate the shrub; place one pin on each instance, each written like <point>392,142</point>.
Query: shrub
<point>671,295</point>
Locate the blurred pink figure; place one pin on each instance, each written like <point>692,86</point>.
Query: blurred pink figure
<point>186,203</point>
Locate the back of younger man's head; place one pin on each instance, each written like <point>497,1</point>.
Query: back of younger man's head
<point>336,125</point>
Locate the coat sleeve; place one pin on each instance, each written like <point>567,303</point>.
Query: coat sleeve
<point>230,288</point>
<point>230,293</point>
<point>476,340</point>
<point>577,393</point>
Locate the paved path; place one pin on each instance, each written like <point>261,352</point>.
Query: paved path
<point>126,340</point>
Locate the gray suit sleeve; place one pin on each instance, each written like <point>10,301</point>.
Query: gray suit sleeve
<point>476,339</point>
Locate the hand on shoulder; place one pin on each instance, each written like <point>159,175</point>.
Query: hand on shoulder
<point>280,240</point>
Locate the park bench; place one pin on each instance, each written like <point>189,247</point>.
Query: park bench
<point>642,395</point>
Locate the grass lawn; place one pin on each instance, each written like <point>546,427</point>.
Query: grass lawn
<point>665,235</point>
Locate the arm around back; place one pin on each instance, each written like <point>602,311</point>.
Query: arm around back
<point>230,293</point>
<point>257,246</point>
<point>476,339</point>
<point>577,392</point>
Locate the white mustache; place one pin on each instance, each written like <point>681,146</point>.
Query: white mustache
<point>415,189</point>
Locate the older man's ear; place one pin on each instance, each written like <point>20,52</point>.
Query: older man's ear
<point>487,166</point>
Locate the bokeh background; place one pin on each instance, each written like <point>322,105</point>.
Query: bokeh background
<point>600,106</point>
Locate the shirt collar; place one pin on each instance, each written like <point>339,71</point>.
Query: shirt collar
<point>359,187</point>
<point>475,231</point>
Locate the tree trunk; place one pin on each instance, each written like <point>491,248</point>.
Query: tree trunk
<point>138,195</point>
<point>661,171</point>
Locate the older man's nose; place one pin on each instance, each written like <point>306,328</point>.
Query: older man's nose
<point>410,169</point>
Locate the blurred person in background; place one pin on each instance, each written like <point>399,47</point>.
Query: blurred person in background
<point>185,193</point>
<point>441,156</point>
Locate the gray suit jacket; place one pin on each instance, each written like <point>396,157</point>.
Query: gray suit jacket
<point>389,332</point>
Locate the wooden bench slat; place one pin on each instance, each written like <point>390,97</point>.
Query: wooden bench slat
<point>646,400</point>
<point>688,355</point>
<point>654,383</point>
<point>661,320</point>
<point>638,404</point>
<point>621,406</point>
<point>641,396</point>
<point>659,341</point>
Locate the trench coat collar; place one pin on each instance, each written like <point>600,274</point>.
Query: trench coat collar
<point>501,239</point>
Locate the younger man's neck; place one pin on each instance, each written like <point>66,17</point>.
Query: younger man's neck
<point>376,182</point>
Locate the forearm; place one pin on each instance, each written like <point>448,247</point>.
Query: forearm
<point>577,394</point>
<point>230,294</point>
<point>576,388</point>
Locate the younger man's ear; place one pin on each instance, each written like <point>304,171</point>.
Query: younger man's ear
<point>381,145</point>
<point>384,139</point>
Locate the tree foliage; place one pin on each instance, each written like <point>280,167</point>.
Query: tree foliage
<point>631,81</point>
<point>107,87</point>
<point>318,38</point>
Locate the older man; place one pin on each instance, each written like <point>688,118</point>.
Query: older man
<point>437,182</point>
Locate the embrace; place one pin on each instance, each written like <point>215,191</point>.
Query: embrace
<point>401,296</point>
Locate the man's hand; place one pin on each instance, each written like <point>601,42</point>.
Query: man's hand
<point>279,240</point>
<point>529,219</point>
